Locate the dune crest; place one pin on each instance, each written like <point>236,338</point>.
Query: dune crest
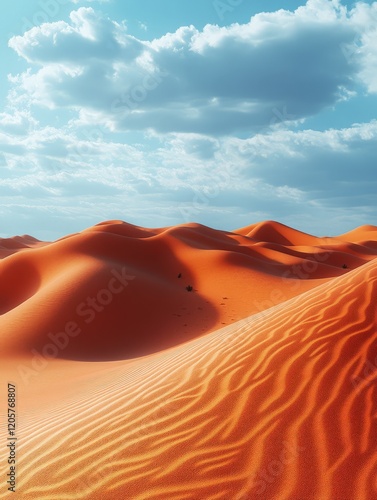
<point>231,275</point>
<point>8,246</point>
<point>260,382</point>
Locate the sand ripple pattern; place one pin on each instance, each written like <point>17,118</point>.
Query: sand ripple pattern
<point>282,405</point>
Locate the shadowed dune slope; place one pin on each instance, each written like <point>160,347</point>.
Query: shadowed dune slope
<point>280,405</point>
<point>363,235</point>
<point>120,291</point>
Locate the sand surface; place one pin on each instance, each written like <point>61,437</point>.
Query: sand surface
<point>259,383</point>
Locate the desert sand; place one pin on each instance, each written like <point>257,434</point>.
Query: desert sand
<point>190,363</point>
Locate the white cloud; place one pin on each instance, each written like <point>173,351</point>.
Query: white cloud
<point>285,175</point>
<point>365,45</point>
<point>220,80</point>
<point>188,91</point>
<point>17,122</point>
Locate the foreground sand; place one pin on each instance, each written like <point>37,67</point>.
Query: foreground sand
<point>258,383</point>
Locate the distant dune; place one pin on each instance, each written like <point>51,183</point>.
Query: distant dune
<point>8,246</point>
<point>189,363</point>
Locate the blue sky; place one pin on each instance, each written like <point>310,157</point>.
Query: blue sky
<point>223,112</point>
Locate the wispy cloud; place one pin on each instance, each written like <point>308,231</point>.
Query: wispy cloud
<point>197,177</point>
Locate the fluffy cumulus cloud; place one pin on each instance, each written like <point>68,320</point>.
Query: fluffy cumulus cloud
<point>364,18</point>
<point>216,81</point>
<point>18,122</point>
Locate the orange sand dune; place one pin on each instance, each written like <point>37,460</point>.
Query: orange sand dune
<point>258,383</point>
<point>364,235</point>
<point>123,280</point>
<point>8,246</point>
<point>278,233</point>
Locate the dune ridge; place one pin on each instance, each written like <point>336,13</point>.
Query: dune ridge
<point>9,246</point>
<point>232,276</point>
<point>280,404</point>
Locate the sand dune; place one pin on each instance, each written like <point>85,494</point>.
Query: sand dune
<point>258,383</point>
<point>8,246</point>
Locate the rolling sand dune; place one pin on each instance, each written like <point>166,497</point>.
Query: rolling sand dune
<point>260,382</point>
<point>8,246</point>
